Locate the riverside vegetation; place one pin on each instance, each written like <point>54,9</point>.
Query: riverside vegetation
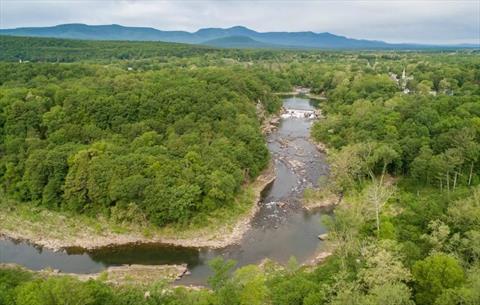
<point>167,135</point>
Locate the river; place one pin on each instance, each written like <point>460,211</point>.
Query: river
<point>281,229</point>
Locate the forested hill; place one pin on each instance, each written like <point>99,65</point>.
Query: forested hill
<point>70,50</point>
<point>238,42</point>
<point>67,50</point>
<point>204,36</point>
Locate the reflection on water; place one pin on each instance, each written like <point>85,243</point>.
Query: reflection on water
<point>36,258</point>
<point>280,229</point>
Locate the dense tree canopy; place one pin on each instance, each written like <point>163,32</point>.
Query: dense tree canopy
<point>172,142</point>
<point>164,132</point>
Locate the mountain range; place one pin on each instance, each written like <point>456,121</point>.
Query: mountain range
<point>234,37</point>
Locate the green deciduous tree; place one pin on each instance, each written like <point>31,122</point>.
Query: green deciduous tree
<point>435,274</point>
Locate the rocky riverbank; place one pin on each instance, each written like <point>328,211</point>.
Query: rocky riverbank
<point>298,165</point>
<point>120,275</point>
<point>89,237</point>
<point>319,258</point>
<point>326,200</point>
<point>57,231</point>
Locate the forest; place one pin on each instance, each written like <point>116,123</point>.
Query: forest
<point>168,144</point>
<point>170,133</point>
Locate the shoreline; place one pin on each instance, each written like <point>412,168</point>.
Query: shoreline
<point>327,203</point>
<point>328,200</point>
<point>216,237</point>
<point>117,275</point>
<point>88,238</point>
<point>222,237</point>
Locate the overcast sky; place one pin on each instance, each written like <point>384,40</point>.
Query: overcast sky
<point>431,21</point>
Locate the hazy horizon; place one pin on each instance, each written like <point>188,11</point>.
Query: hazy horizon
<point>426,22</point>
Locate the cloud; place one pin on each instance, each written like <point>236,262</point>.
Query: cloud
<point>426,21</point>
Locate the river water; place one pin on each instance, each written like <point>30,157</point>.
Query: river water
<point>281,229</point>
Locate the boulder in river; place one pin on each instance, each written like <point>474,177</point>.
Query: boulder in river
<point>323,236</point>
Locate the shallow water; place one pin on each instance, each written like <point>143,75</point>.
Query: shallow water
<point>281,229</point>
